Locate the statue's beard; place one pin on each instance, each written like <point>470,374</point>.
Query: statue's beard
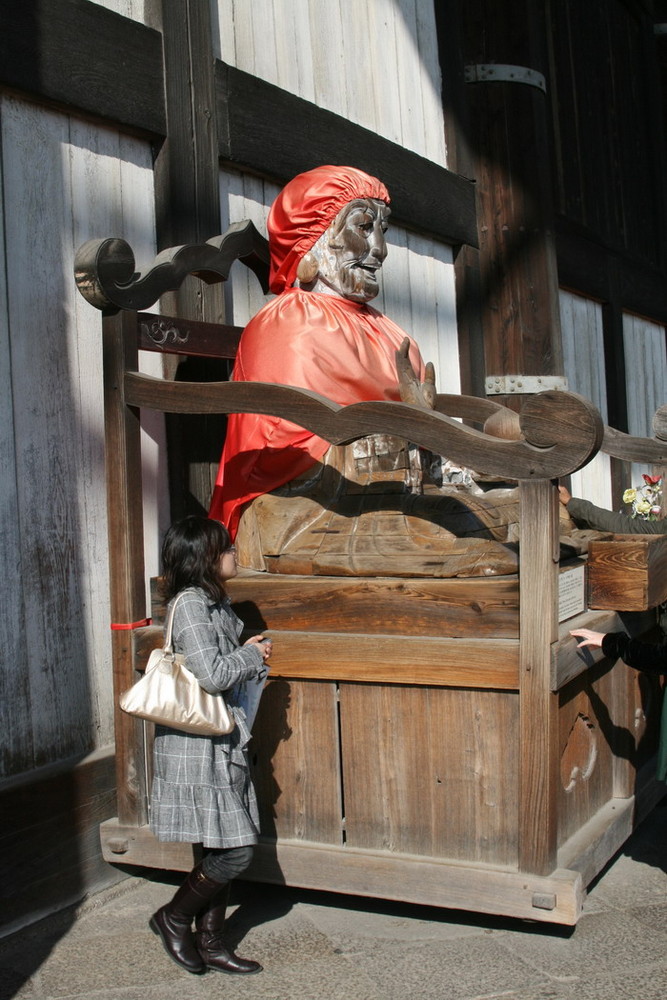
<point>352,279</point>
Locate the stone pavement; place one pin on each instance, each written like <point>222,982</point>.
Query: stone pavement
<point>319,946</point>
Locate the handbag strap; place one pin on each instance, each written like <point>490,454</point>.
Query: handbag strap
<point>168,647</point>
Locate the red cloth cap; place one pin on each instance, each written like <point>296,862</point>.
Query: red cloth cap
<point>304,209</point>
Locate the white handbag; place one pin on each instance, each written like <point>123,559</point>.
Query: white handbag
<point>170,695</point>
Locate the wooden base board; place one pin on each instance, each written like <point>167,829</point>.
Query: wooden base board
<point>556,898</point>
<point>597,841</point>
<point>50,840</point>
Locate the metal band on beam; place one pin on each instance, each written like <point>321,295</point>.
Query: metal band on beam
<point>504,73</point>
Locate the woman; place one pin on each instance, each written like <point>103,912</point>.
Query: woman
<point>202,792</point>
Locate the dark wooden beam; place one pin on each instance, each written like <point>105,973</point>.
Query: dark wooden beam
<point>79,56</point>
<point>271,132</point>
<point>584,266</point>
<point>186,169</point>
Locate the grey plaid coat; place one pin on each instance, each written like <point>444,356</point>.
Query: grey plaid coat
<point>202,792</point>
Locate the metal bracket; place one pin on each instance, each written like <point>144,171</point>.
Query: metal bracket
<point>506,385</point>
<point>506,74</point>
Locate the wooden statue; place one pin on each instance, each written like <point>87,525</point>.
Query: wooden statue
<point>370,508</point>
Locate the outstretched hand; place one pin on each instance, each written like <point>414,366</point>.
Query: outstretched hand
<point>411,389</point>
<point>588,638</point>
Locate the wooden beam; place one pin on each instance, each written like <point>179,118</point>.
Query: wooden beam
<point>588,267</point>
<point>380,659</point>
<point>255,116</point>
<point>81,57</point>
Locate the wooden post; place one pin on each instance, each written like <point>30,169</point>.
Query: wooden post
<point>510,152</point>
<point>187,194</point>
<point>126,555</point>
<point>538,712</point>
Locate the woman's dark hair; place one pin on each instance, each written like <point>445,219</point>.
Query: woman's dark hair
<point>191,552</point>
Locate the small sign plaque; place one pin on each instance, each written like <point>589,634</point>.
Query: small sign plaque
<point>571,591</point>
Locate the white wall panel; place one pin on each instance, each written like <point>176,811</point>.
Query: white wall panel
<point>645,378</point>
<point>583,359</point>
<point>375,63</point>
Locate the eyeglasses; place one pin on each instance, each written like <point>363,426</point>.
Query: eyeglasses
<point>232,548</point>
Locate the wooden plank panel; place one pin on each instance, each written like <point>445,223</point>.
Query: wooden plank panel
<point>296,766</point>
<point>590,735</point>
<point>435,772</point>
<point>479,608</point>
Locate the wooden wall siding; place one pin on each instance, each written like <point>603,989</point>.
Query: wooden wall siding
<point>374,63</point>
<point>584,367</point>
<point>606,122</point>
<point>646,377</point>
<point>417,283</point>
<point>84,179</point>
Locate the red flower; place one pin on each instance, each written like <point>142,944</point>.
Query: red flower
<point>651,480</point>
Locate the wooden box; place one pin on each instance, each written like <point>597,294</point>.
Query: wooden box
<point>627,573</point>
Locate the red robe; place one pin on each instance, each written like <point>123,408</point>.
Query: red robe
<point>340,349</point>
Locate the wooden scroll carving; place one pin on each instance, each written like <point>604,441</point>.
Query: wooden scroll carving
<point>637,449</point>
<point>105,272</point>
<point>562,431</point>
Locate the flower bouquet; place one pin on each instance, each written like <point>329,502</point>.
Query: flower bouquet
<point>644,502</point>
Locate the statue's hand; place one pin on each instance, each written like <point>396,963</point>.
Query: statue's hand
<point>411,389</point>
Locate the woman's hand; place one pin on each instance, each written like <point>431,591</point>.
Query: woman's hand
<point>265,645</point>
<point>564,495</point>
<point>588,638</point>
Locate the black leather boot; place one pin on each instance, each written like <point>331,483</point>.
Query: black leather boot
<point>211,944</point>
<point>173,922</point>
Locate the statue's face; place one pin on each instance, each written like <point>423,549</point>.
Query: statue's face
<point>351,251</point>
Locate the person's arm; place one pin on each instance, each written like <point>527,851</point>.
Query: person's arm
<point>216,663</point>
<point>587,515</point>
<point>647,656</point>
